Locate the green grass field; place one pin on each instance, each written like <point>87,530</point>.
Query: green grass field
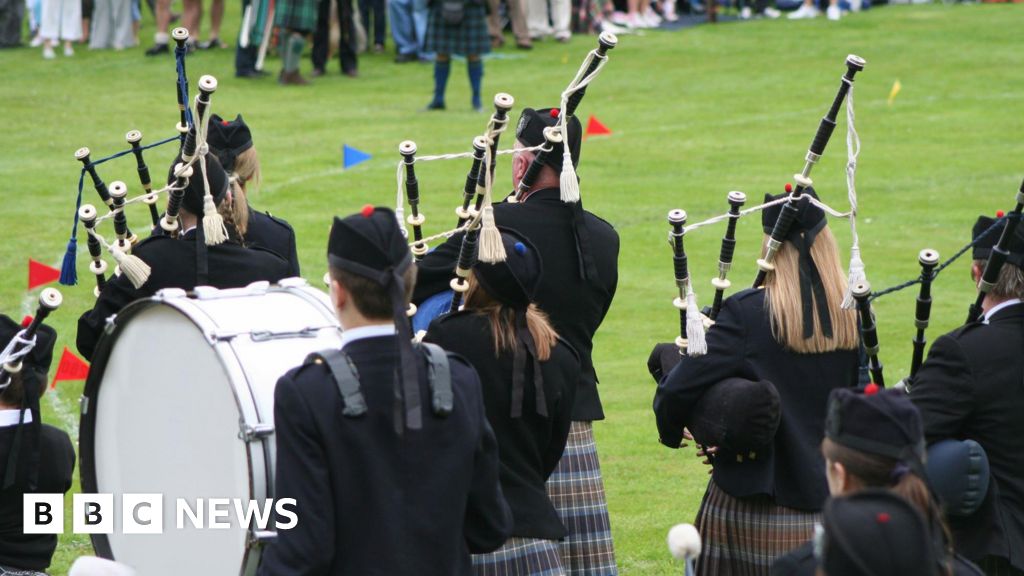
<point>694,114</point>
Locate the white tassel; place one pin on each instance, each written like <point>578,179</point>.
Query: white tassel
<point>696,344</point>
<point>492,249</point>
<point>568,184</point>
<point>132,267</point>
<point>857,275</point>
<point>213,223</point>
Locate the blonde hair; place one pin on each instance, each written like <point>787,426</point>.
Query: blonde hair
<point>246,171</point>
<point>503,322</point>
<point>785,304</point>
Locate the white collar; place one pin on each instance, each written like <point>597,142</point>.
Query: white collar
<point>11,417</point>
<point>991,311</point>
<point>187,230</point>
<point>363,332</point>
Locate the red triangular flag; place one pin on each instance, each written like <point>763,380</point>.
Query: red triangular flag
<point>71,367</point>
<point>595,128</point>
<point>39,274</point>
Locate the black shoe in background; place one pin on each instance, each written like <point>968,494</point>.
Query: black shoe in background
<point>158,49</point>
<point>405,58</point>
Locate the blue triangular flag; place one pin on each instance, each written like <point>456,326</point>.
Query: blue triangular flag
<point>353,156</point>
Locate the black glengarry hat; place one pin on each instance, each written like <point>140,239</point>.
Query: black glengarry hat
<point>194,192</point>
<point>983,246</point>
<point>370,244</point>
<point>877,421</point>
<point>874,532</point>
<point>530,131</point>
<point>809,221</point>
<point>228,139</point>
<point>514,283</point>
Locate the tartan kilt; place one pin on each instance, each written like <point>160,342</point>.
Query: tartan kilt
<point>297,15</point>
<point>577,493</point>
<point>521,557</point>
<point>743,536</point>
<point>469,37</point>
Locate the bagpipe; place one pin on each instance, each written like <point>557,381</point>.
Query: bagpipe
<point>191,137</point>
<point>694,321</point>
<point>481,239</point>
<point>10,356</point>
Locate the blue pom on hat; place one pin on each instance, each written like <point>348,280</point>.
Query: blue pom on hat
<point>520,248</point>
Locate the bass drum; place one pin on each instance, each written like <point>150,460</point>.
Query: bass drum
<point>180,403</point>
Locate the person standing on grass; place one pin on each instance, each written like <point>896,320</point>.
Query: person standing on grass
<point>346,43</point>
<point>457,27</point>
<point>35,458</point>
<point>581,263</point>
<point>297,19</point>
<point>529,378</point>
<point>62,21</point>
<point>809,10</point>
<point>969,387</point>
<point>794,334</point>
<point>384,445</point>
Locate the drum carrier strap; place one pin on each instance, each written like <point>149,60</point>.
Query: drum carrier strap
<point>439,377</point>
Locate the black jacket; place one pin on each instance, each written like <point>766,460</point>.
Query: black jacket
<point>530,446</point>
<point>272,233</point>
<point>56,465</point>
<point>801,562</point>
<point>972,386</point>
<point>371,502</point>
<point>575,306</point>
<point>173,265</point>
<point>741,344</point>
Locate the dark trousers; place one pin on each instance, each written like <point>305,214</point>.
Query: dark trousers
<point>245,59</point>
<point>377,7</point>
<point>347,43</point>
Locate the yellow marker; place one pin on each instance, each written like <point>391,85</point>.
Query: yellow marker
<point>565,58</point>
<point>895,90</point>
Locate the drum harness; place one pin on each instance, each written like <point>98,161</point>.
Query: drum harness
<point>346,377</point>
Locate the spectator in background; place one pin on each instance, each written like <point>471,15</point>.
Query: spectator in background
<point>379,23</point>
<point>550,17</point>
<point>346,43</point>
<point>247,52</point>
<point>409,29</point>
<point>162,15</point>
<point>12,12</point>
<point>457,27</point>
<point>62,21</point>
<point>297,18</point>
<point>112,24</point>
<point>516,10</point>
<point>192,18</point>
<point>809,10</point>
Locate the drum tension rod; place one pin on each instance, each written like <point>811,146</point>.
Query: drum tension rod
<point>257,432</point>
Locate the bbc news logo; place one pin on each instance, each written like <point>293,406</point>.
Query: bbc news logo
<point>144,514</point>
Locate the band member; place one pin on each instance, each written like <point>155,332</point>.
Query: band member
<point>874,533</point>
<point>297,20</point>
<point>529,378</point>
<point>794,334</point>
<point>231,142</point>
<point>875,440</point>
<point>970,387</point>
<point>457,28</point>
<point>34,457</point>
<point>185,262</point>
<point>397,474</point>
<point>580,253</point>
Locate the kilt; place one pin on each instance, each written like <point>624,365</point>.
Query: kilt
<point>996,566</point>
<point>577,492</point>
<point>469,37</point>
<point>14,572</point>
<point>742,536</point>
<point>297,15</point>
<point>521,557</point>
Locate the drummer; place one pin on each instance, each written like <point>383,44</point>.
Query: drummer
<point>180,263</point>
<point>397,473</point>
<point>34,457</point>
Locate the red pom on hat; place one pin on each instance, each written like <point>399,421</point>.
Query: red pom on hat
<point>883,517</point>
<point>367,211</point>
<point>1000,213</point>
<point>789,187</point>
<point>554,112</point>
<point>26,321</point>
<point>224,122</point>
<point>871,389</point>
